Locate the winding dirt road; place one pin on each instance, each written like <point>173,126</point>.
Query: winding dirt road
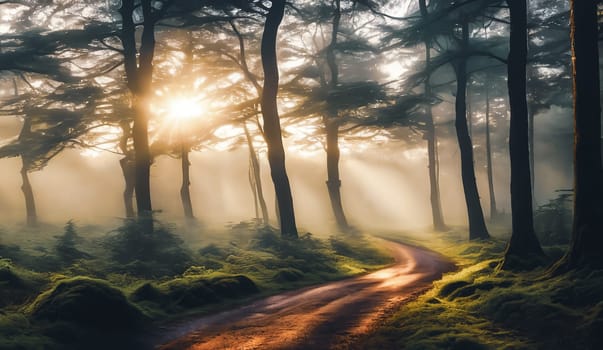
<point>329,316</point>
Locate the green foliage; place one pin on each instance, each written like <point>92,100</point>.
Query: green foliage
<point>192,291</point>
<point>157,254</point>
<point>65,247</point>
<point>359,248</point>
<point>159,276</point>
<point>86,302</point>
<point>481,307</point>
<point>553,221</point>
<point>17,284</point>
<point>288,275</point>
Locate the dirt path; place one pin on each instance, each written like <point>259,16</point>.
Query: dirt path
<point>328,316</point>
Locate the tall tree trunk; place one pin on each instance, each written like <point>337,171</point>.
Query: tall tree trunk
<point>272,126</point>
<point>490,170</point>
<point>127,169</point>
<point>255,169</point>
<point>531,150</point>
<point>333,181</point>
<point>477,224</point>
<point>331,124</point>
<point>30,204</point>
<point>254,190</point>
<point>523,242</point>
<point>430,136</point>
<point>185,194</point>
<point>587,231</point>
<point>531,114</point>
<point>139,71</point>
<point>469,112</point>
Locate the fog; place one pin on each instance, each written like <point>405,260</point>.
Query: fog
<point>384,187</point>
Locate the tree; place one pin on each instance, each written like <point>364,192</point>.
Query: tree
<point>477,224</point>
<point>431,138</point>
<point>138,65</point>
<point>587,230</point>
<point>272,127</point>
<point>449,26</point>
<point>489,169</point>
<point>51,122</point>
<point>523,242</point>
<point>331,124</point>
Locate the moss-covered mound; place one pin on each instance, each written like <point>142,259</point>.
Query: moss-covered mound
<point>17,284</point>
<point>288,275</point>
<point>482,307</point>
<point>195,291</point>
<point>88,303</point>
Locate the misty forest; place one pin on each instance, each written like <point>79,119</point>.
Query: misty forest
<point>311,174</point>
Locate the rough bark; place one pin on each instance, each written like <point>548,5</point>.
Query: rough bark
<point>185,194</point>
<point>489,169</point>
<point>477,224</point>
<point>331,125</point>
<point>587,231</point>
<point>523,243</point>
<point>272,126</point>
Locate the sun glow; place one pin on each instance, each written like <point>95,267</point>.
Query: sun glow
<point>183,109</point>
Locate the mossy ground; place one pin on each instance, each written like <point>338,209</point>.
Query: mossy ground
<point>49,301</point>
<point>482,307</point>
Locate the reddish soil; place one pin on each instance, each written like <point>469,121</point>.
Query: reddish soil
<point>329,316</point>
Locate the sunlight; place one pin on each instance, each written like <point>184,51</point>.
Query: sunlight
<point>183,109</point>
<point>102,138</point>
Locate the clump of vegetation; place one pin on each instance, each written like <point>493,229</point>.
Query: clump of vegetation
<point>65,246</point>
<point>86,302</point>
<point>17,284</point>
<point>288,275</point>
<point>360,249</point>
<point>553,221</point>
<point>156,254</point>
<point>480,307</point>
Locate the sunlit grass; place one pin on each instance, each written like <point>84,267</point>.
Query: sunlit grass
<point>162,275</point>
<point>481,307</point>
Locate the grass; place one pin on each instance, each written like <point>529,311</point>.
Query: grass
<point>481,307</point>
<point>59,291</point>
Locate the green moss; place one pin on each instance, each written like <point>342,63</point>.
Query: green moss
<point>288,275</point>
<point>86,302</point>
<point>451,287</point>
<point>480,306</point>
<point>151,255</point>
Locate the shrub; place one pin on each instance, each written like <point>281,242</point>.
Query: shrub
<point>156,254</point>
<point>88,303</point>
<point>65,246</point>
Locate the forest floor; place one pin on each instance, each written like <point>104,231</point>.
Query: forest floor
<point>329,316</point>
<point>106,288</point>
<point>481,307</point>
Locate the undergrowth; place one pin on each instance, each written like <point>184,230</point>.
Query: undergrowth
<point>482,307</point>
<point>86,283</point>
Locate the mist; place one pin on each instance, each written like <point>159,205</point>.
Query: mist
<point>384,187</point>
